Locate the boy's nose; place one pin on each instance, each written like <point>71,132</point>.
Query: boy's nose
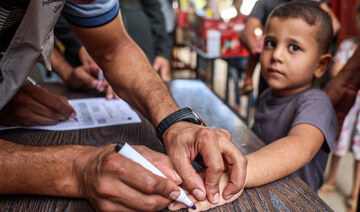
<point>278,53</point>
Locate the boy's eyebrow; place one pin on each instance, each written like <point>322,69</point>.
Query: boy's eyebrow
<point>292,40</point>
<point>295,41</point>
<point>269,36</point>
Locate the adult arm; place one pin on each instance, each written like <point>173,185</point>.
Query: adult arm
<point>342,89</point>
<point>247,36</point>
<point>73,171</point>
<point>256,19</point>
<point>126,68</point>
<point>335,21</point>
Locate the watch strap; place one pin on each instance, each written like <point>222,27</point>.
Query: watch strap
<point>184,114</point>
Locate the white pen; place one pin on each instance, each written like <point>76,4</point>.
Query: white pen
<point>129,152</point>
<point>31,81</point>
<point>100,78</point>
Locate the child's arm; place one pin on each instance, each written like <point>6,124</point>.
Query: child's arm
<point>274,161</point>
<point>283,156</point>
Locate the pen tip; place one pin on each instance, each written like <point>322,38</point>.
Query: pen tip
<point>193,207</point>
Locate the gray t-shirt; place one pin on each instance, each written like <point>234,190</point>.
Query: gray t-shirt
<point>275,117</point>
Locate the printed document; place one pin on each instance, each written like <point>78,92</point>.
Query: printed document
<point>91,113</point>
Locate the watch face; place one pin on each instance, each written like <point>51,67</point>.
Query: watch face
<point>197,116</point>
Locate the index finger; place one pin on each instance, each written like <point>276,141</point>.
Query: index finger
<point>237,171</point>
<point>215,166</point>
<point>55,102</point>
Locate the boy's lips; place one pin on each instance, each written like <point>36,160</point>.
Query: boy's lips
<point>274,71</point>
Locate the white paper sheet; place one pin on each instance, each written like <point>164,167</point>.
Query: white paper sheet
<point>91,113</point>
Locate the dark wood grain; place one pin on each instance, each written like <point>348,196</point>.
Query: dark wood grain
<point>288,194</point>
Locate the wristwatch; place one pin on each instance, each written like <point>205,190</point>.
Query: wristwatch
<point>184,114</point>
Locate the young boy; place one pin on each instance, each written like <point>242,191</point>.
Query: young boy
<point>294,118</point>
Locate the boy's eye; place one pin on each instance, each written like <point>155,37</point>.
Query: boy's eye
<point>294,48</point>
<point>270,44</point>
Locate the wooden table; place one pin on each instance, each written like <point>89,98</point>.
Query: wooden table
<point>288,194</point>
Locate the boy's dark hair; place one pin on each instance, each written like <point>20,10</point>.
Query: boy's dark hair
<point>311,14</point>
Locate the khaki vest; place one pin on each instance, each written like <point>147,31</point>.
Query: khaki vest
<point>32,40</point>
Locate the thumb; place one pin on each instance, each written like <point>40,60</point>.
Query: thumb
<point>87,79</point>
<point>156,66</point>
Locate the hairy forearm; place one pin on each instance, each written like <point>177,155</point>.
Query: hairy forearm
<point>248,40</point>
<point>38,170</point>
<point>335,21</point>
<point>247,36</point>
<point>148,93</point>
<point>127,70</point>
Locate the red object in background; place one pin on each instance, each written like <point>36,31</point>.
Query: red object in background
<point>183,21</point>
<point>206,24</point>
<point>202,26</point>
<point>230,43</point>
<point>345,11</point>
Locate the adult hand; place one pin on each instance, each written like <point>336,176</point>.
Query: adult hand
<point>342,96</point>
<point>33,105</point>
<point>259,45</point>
<point>85,76</point>
<point>205,204</point>
<point>112,182</point>
<point>183,141</point>
<point>162,65</point>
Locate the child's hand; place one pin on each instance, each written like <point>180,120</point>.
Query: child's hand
<point>205,204</point>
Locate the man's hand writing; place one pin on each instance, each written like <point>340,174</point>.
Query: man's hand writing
<point>33,105</point>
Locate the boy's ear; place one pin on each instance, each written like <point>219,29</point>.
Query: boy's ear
<point>324,63</point>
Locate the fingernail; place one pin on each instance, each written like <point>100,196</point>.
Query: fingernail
<point>95,84</point>
<point>198,194</point>
<point>174,195</point>
<point>229,196</point>
<point>216,198</point>
<point>110,96</point>
<point>73,115</point>
<point>171,205</point>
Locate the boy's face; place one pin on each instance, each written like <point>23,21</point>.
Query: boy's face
<point>290,55</point>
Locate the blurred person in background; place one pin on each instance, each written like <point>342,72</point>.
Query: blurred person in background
<point>144,22</point>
